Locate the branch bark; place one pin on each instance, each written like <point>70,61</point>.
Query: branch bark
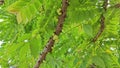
<point>58,30</point>
<point>1,2</point>
<point>102,22</point>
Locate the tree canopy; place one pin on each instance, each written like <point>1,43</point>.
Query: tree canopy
<point>59,33</point>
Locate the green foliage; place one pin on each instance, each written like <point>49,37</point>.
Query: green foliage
<point>25,10</point>
<point>26,26</point>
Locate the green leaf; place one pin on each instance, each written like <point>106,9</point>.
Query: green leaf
<point>98,61</point>
<point>88,29</point>
<point>20,9</point>
<point>23,51</point>
<point>16,7</point>
<point>107,60</point>
<point>23,38</point>
<point>35,47</point>
<point>14,47</point>
<point>37,4</point>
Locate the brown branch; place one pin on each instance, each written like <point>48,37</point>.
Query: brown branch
<point>117,5</point>
<point>1,2</point>
<point>58,30</point>
<point>102,22</point>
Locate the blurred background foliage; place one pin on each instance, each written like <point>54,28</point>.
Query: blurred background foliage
<point>26,25</point>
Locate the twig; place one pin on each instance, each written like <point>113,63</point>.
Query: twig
<point>102,22</point>
<point>58,30</point>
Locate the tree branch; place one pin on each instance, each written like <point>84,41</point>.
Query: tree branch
<point>1,2</point>
<point>102,22</point>
<point>58,30</point>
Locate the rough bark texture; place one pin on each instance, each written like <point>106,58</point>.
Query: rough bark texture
<point>102,22</point>
<point>58,30</point>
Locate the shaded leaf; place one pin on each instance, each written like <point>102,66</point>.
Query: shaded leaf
<point>98,61</point>
<point>88,29</point>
